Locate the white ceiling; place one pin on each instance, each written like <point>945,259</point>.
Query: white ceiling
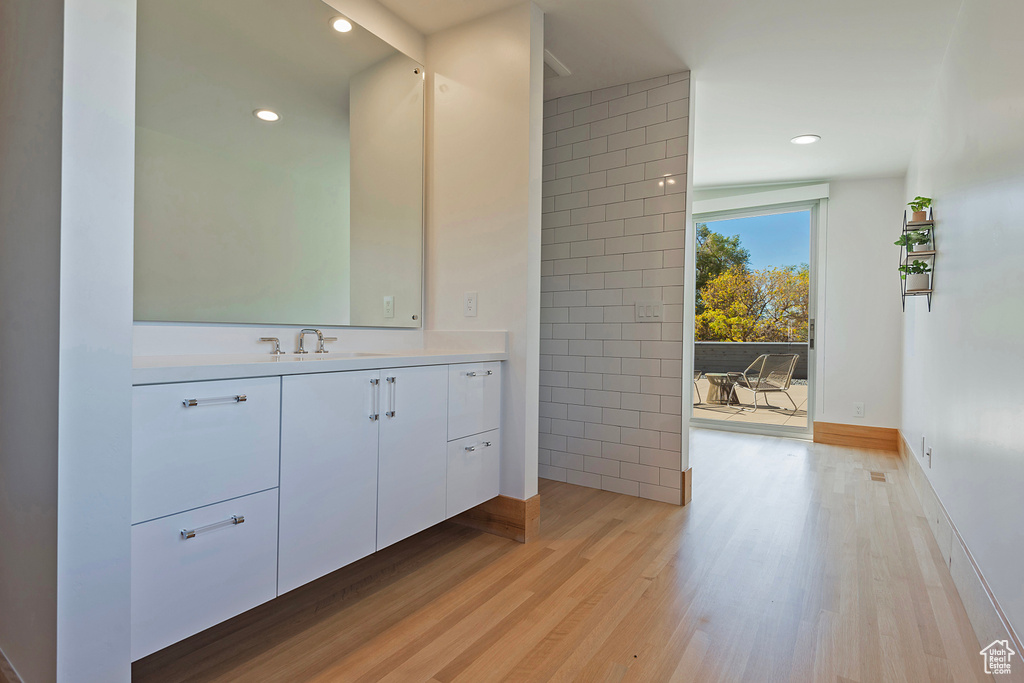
<point>856,72</point>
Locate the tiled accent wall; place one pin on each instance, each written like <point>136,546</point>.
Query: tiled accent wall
<point>613,235</point>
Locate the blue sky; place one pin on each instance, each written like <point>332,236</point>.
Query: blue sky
<point>782,239</point>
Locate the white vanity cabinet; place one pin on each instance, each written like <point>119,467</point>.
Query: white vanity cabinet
<point>328,473</point>
<point>245,489</point>
<point>413,451</point>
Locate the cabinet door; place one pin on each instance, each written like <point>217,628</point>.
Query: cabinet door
<point>413,451</point>
<point>328,474</point>
<point>474,471</point>
<point>474,399</point>
<point>198,443</point>
<point>186,581</point>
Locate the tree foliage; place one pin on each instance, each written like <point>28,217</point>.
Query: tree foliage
<point>716,254</point>
<point>760,305</point>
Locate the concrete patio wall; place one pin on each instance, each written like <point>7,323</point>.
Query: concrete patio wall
<point>736,356</point>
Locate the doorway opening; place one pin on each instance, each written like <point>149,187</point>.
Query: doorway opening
<point>753,336</point>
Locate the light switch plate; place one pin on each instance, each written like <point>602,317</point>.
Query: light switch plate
<point>389,307</point>
<point>469,302</point>
<point>648,311</point>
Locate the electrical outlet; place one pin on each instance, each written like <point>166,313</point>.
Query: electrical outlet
<point>929,454</point>
<point>389,307</point>
<point>858,409</point>
<point>469,302</point>
<point>648,311</point>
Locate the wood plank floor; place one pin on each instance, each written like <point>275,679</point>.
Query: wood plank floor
<point>791,564</point>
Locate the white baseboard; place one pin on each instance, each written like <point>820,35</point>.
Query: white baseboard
<point>986,616</point>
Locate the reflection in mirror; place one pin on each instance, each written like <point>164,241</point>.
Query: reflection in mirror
<point>279,167</point>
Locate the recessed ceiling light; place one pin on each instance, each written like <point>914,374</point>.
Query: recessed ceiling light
<point>805,139</point>
<point>266,115</point>
<point>341,24</point>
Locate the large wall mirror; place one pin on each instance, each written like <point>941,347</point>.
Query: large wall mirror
<point>315,218</point>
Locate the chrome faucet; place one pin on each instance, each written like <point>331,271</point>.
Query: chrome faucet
<point>309,330</point>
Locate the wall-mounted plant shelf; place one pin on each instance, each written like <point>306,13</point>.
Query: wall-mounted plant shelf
<point>928,256</point>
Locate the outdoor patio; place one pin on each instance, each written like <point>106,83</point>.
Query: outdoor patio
<point>780,414</point>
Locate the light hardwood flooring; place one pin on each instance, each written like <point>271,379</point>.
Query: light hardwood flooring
<point>791,564</point>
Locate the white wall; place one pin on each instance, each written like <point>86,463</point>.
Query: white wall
<point>94,437</point>
<point>863,318</point>
<point>483,205</point>
<point>30,155</point>
<point>963,363</point>
<point>614,232</point>
<point>67,161</point>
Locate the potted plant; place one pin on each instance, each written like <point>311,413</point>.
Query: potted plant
<point>916,275</point>
<point>915,240</point>
<point>920,208</point>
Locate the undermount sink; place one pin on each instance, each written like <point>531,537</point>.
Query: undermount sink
<point>334,354</point>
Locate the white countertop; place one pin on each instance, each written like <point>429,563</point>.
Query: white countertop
<point>194,368</point>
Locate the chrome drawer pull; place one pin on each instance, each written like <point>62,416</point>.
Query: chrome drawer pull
<point>485,444</point>
<point>480,374</point>
<point>374,400</point>
<point>391,397</point>
<point>199,402</point>
<point>191,533</point>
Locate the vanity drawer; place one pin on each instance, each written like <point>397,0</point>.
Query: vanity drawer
<point>193,444</point>
<point>474,399</point>
<point>473,471</point>
<point>181,586</point>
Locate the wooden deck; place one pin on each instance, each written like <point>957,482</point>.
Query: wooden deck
<point>781,413</point>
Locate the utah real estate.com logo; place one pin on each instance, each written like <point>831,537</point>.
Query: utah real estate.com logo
<point>997,657</point>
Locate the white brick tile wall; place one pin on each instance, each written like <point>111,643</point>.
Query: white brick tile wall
<point>614,207</point>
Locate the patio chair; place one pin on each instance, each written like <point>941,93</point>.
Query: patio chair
<point>769,373</point>
<point>697,374</point>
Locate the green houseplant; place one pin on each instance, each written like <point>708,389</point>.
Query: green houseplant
<point>920,208</point>
<point>915,240</point>
<point>916,275</point>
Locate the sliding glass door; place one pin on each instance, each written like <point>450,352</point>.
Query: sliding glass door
<point>753,328</point>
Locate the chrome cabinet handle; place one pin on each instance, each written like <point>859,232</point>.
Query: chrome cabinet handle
<point>374,399</point>
<point>391,396</point>
<point>479,374</point>
<point>470,449</point>
<point>231,521</point>
<point>198,402</point>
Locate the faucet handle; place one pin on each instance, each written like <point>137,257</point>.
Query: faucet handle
<point>321,348</point>
<point>277,345</point>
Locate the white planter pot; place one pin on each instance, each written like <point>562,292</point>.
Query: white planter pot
<point>921,247</point>
<point>917,281</point>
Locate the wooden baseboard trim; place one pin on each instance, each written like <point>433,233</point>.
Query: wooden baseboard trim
<point>857,436</point>
<point>983,609</point>
<point>7,672</point>
<point>687,486</point>
<point>504,516</point>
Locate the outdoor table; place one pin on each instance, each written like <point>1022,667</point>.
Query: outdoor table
<point>723,388</point>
